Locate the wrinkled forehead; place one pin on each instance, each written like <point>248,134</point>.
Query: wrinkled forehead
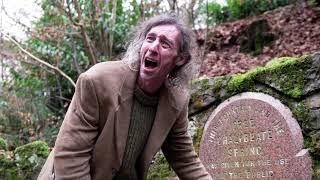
<point>168,31</point>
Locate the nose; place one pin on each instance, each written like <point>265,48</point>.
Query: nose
<point>154,47</point>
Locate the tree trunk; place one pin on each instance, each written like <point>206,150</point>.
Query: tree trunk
<point>85,37</point>
<point>113,22</point>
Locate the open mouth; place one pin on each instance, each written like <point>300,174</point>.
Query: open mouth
<point>150,63</point>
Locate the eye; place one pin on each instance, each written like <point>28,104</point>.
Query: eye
<point>165,44</point>
<point>150,38</point>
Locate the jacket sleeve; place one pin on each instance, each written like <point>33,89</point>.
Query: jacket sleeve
<point>78,133</point>
<point>179,151</point>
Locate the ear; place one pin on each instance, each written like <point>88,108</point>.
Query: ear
<point>181,60</point>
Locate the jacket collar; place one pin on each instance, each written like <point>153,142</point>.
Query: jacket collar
<point>128,83</point>
<point>176,96</point>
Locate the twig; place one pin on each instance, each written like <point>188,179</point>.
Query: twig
<point>86,39</point>
<point>39,60</point>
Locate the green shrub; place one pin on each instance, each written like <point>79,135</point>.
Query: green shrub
<point>3,144</point>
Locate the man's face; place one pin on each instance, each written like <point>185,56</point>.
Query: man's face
<point>159,53</point>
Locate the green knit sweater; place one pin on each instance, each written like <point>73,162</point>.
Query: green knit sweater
<point>143,113</point>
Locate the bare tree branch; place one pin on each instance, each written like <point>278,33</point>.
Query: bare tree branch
<point>74,59</point>
<point>191,12</point>
<point>68,12</point>
<point>142,10</point>
<point>39,60</point>
<point>86,38</point>
<point>202,51</point>
<point>113,21</point>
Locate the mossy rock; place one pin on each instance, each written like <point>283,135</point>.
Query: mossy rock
<point>29,160</point>
<point>197,139</point>
<point>29,155</point>
<point>286,75</point>
<point>25,162</point>
<point>207,92</point>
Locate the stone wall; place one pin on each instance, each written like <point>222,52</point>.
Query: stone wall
<point>294,81</point>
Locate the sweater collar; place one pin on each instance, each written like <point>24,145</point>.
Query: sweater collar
<point>176,96</point>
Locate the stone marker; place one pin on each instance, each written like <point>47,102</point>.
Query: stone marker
<point>254,136</point>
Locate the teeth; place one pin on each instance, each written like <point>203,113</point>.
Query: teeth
<point>149,59</point>
<point>151,62</point>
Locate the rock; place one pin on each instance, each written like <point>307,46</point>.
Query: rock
<point>313,75</point>
<point>29,155</point>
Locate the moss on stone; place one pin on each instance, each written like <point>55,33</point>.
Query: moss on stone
<point>3,144</point>
<point>200,86</point>
<point>239,83</point>
<point>287,75</point>
<point>197,139</point>
<point>28,155</point>
<point>209,86</point>
<point>27,162</point>
<point>307,141</point>
<point>218,82</point>
<point>301,112</point>
<point>316,168</point>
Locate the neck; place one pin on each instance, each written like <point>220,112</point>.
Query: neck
<point>151,86</point>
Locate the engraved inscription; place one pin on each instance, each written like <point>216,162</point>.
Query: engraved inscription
<point>248,139</point>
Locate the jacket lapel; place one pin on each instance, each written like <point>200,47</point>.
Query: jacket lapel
<point>170,105</point>
<point>123,112</point>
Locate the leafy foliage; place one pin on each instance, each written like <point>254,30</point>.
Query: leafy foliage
<point>160,168</point>
<point>24,162</point>
<point>73,36</point>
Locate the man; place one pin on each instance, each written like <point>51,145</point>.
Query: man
<point>123,112</point>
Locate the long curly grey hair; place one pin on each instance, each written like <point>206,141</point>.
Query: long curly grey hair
<point>181,75</point>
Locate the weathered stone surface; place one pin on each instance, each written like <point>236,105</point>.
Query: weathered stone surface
<point>285,76</point>
<point>313,75</point>
<point>313,101</point>
<point>254,136</point>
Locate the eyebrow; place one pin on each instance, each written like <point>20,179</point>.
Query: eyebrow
<point>162,37</point>
<point>167,40</point>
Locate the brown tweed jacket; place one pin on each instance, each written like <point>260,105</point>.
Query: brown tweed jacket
<point>92,139</point>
